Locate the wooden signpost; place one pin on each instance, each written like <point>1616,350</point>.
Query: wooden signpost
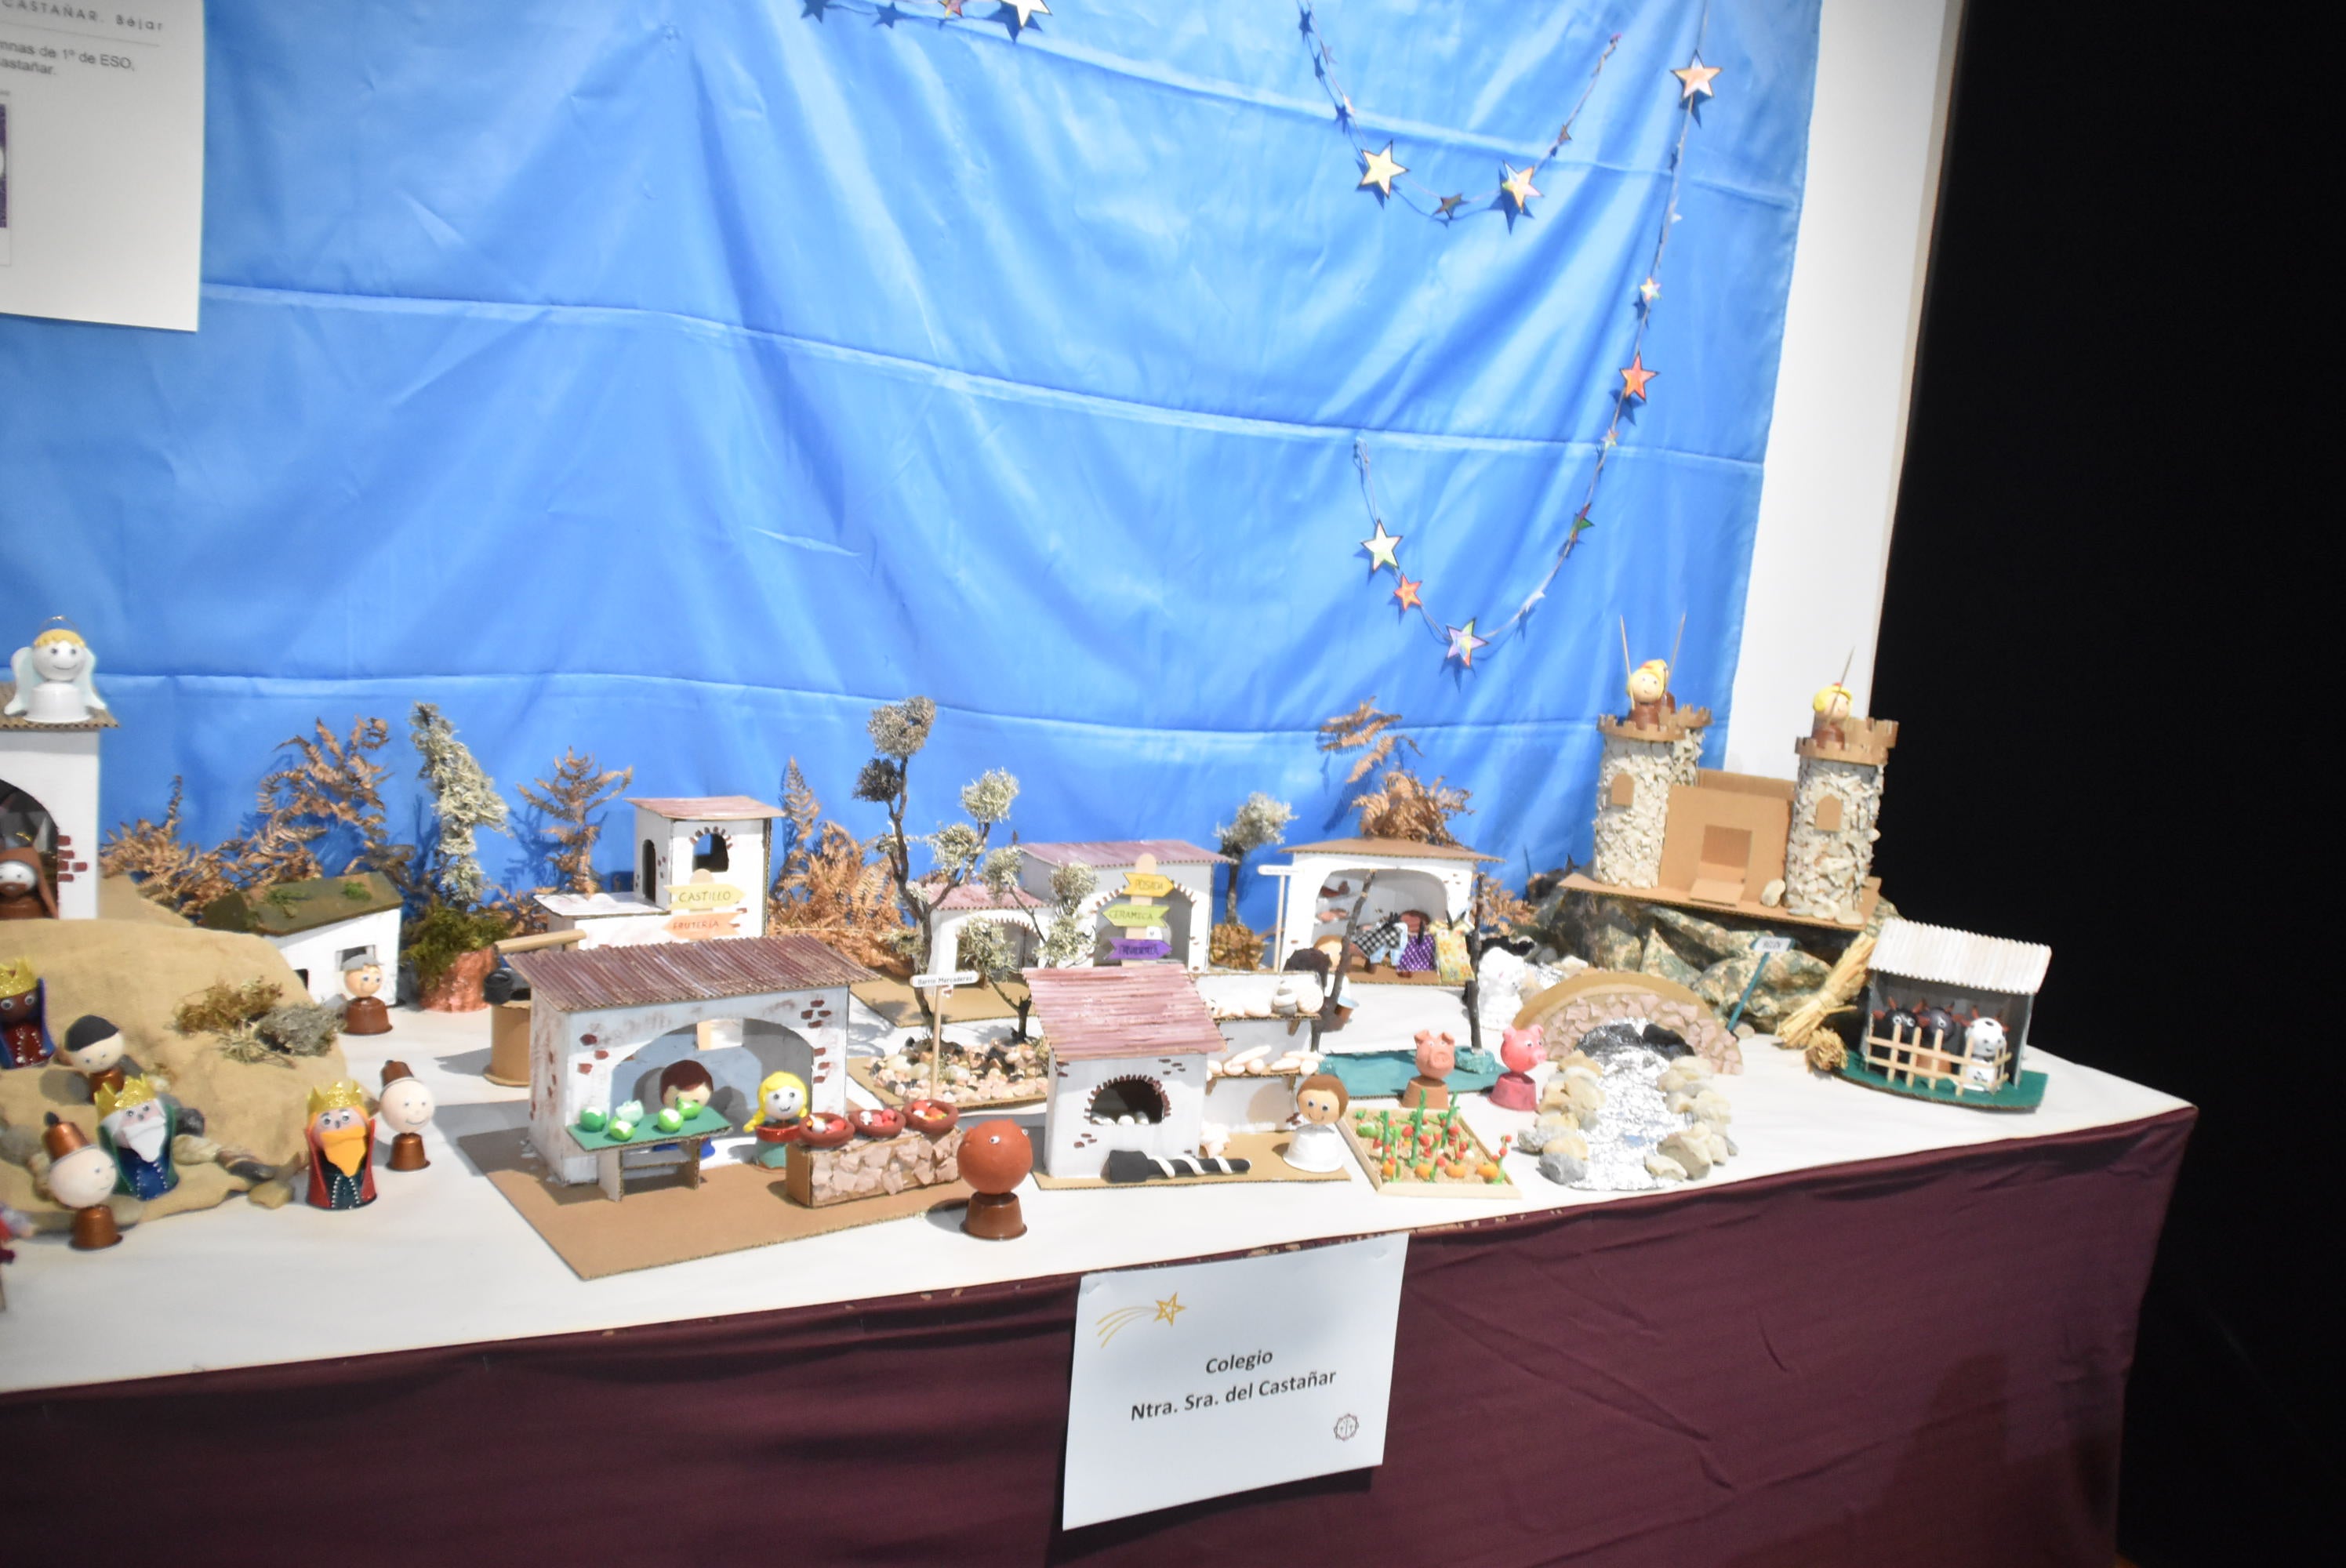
<point>1135,915</point>
<point>1147,884</point>
<point>943,985</point>
<point>702,895</point>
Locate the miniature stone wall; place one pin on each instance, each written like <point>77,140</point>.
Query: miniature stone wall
<point>1629,837</point>
<point>1825,867</point>
<point>869,1167</point>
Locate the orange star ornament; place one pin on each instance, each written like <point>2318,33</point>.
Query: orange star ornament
<point>1634,378</point>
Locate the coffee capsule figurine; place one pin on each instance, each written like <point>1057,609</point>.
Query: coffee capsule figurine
<point>93,1048</point>
<point>779,1115</point>
<point>1437,1056</point>
<point>80,1177</point>
<point>1319,1103</point>
<point>25,891</point>
<point>137,1126</point>
<point>24,1016</point>
<point>406,1107</point>
<point>1520,1051</point>
<point>340,1135</point>
<point>1650,701</point>
<point>995,1158</point>
<point>53,684</point>
<point>365,1013</point>
<point>1830,710</point>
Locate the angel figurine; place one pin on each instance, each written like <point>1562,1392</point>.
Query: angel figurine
<point>53,684</point>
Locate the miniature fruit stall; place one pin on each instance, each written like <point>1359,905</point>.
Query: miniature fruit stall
<point>608,1139</point>
<point>1947,1017</point>
<point>594,1010</point>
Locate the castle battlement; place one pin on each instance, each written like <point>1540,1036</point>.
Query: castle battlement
<point>1866,741</point>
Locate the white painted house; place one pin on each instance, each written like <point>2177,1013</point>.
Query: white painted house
<point>1129,1051</point>
<point>603,1020</point>
<point>703,864</point>
<point>1136,875</point>
<point>49,800</point>
<point>323,926</point>
<point>1320,883</point>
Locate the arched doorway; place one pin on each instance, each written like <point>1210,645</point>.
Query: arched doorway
<point>25,823</point>
<point>1128,1100</point>
<point>741,1053</point>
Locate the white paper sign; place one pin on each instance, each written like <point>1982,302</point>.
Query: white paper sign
<point>102,161</point>
<point>1206,1378</point>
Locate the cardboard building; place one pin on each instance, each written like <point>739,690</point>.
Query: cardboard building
<point>703,864</point>
<point>49,800</point>
<point>1129,1048</point>
<point>1320,883</point>
<point>323,926</point>
<point>1168,878</point>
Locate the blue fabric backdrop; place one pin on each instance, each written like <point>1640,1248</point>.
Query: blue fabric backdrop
<point>675,379</point>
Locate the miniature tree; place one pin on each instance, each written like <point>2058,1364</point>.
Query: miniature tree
<point>1063,939</point>
<point>899,731</point>
<point>1401,805</point>
<point>454,920</point>
<point>1261,820</point>
<point>827,884</point>
<point>580,789</point>
<point>337,782</point>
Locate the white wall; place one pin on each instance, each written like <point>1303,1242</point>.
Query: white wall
<point>1883,69</point>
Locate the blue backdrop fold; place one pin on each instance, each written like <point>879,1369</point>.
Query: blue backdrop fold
<point>675,379</point>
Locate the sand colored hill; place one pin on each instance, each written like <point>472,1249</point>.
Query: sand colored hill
<point>137,971</point>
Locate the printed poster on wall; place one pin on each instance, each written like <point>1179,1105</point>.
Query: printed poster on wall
<point>102,161</point>
<point>1205,1378</point>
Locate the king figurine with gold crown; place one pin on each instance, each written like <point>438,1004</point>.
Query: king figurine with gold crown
<point>342,1147</point>
<point>136,1126</point>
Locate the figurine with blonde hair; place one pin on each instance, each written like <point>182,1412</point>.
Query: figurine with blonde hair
<point>1834,705</point>
<point>53,685</point>
<point>780,1119</point>
<point>1650,702</point>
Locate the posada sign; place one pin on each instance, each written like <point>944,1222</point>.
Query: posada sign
<point>1206,1379</point>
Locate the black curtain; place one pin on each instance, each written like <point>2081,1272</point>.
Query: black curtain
<point>2094,639</point>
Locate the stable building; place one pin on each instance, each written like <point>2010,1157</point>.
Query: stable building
<point>703,864</point>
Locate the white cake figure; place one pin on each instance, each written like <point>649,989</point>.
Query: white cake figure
<point>53,684</point>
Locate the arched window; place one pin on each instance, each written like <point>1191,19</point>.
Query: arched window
<point>1136,1098</point>
<point>648,878</point>
<point>710,853</point>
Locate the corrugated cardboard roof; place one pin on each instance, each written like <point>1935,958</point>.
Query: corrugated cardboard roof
<point>99,719</point>
<point>1389,848</point>
<point>1913,951</point>
<point>289,907</point>
<point>645,973</point>
<point>978,896</point>
<point>1125,852</point>
<point>1130,1010</point>
<point>705,808</point>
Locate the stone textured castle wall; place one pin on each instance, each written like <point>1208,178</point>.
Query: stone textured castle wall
<point>1825,869</point>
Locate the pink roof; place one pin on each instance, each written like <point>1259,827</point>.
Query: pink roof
<point>705,808</point>
<point>978,896</point>
<point>1124,852</point>
<point>1131,1010</point>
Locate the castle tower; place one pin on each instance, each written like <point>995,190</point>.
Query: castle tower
<point>1836,801</point>
<point>1633,775</point>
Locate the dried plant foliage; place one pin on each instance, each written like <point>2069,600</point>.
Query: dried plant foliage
<point>1376,735</point>
<point>1403,806</point>
<point>335,782</point>
<point>580,786</point>
<point>1497,910</point>
<point>167,868</point>
<point>829,887</point>
<point>223,1008</point>
<point>1235,945</point>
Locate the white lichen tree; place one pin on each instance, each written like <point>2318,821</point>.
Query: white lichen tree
<point>464,799</point>
<point>1261,821</point>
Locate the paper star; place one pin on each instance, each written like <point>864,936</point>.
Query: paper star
<point>1027,9</point>
<point>1463,642</point>
<point>1169,1309</point>
<point>1406,594</point>
<point>1450,205</point>
<point>1634,378</point>
<point>953,8</point>
<point>1650,290</point>
<point>1380,549</point>
<point>1518,186</point>
<point>1694,79</point>
<point>1580,525</point>
<point>1381,168</point>
<point>1343,109</point>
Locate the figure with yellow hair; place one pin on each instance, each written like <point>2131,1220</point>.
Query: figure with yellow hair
<point>780,1117</point>
<point>1650,701</point>
<point>342,1147</point>
<point>136,1126</point>
<point>53,684</point>
<point>1834,705</point>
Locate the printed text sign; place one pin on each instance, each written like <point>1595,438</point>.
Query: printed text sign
<point>1206,1379</point>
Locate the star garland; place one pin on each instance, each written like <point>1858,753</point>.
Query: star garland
<point>1695,82</point>
<point>1381,172</point>
<point>1017,15</point>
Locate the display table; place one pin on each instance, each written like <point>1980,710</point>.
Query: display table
<point>1890,1333</point>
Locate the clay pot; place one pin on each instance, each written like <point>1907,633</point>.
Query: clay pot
<point>931,1119</point>
<point>1515,1091</point>
<point>459,990</point>
<point>877,1122</point>
<point>821,1130</point>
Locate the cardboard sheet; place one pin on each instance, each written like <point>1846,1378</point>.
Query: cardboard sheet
<point>1260,1149</point>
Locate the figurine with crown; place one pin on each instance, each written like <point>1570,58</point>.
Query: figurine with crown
<point>136,1126</point>
<point>25,1039</point>
<point>341,1134</point>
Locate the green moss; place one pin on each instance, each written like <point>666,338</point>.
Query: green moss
<point>443,934</point>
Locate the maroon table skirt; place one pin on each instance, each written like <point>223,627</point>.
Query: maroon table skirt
<point>1904,1362</point>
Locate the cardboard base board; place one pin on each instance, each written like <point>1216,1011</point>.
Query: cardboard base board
<point>2023,1094</point>
<point>1261,1150</point>
<point>894,1001</point>
<point>1681,898</point>
<point>663,1221</point>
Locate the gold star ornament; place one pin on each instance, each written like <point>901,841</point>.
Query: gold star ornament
<point>1169,1309</point>
<point>1695,80</point>
<point>1381,549</point>
<point>1382,170</point>
<point>1518,186</point>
